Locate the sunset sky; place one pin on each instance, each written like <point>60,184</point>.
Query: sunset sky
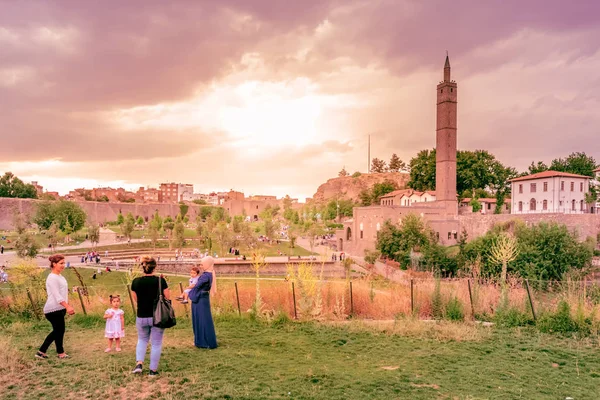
<point>275,97</point>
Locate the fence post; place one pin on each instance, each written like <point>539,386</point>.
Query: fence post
<point>237,295</point>
<point>351,300</point>
<point>471,299</point>
<point>131,299</point>
<point>185,305</point>
<point>81,300</point>
<point>530,299</point>
<point>35,310</point>
<point>294,296</point>
<point>412,297</point>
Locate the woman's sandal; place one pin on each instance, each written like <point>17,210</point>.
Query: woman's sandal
<point>64,356</point>
<point>41,355</point>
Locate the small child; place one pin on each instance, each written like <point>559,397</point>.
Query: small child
<point>115,323</point>
<point>194,275</point>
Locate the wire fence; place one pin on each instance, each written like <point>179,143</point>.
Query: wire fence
<point>424,298</point>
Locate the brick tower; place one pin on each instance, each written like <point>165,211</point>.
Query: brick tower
<point>445,166</point>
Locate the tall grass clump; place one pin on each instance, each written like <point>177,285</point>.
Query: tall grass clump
<point>310,302</point>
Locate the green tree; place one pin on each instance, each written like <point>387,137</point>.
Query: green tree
<point>237,222</point>
<point>139,220</point>
<point>94,234</point>
<point>179,233</point>
<point>381,189</point>
<point>120,219</point>
<point>223,236</point>
<point>67,229</point>
<point>199,202</point>
<point>537,168</point>
<point>52,234</point>
<point>576,163</point>
<point>154,229</point>
<point>397,243</point>
<point>60,212</point>
<point>378,166</point>
<point>475,204</point>
<point>168,226</point>
<point>128,226</point>
<point>343,172</point>
<point>396,164</point>
<point>422,171</point>
<point>11,186</point>
<point>183,209</point>
<point>365,198</point>
<point>356,174</point>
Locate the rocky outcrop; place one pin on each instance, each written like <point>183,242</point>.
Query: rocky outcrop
<point>348,187</point>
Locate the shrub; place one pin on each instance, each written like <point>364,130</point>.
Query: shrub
<point>596,253</point>
<point>437,305</point>
<point>454,310</point>
<point>356,174</point>
<point>511,317</point>
<point>561,321</point>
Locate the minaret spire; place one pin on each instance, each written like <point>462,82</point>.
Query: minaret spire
<point>447,68</point>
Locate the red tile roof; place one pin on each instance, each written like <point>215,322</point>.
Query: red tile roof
<point>396,192</point>
<point>548,174</point>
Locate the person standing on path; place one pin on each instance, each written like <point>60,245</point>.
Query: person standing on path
<point>56,307</point>
<point>202,322</point>
<point>145,293</point>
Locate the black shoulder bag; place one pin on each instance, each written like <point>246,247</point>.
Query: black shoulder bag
<point>164,315</point>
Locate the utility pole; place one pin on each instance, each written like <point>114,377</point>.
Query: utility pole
<point>369,156</point>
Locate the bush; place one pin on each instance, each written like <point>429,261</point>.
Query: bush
<point>511,317</point>
<point>562,321</point>
<point>356,174</point>
<point>596,253</point>
<point>454,310</point>
<point>437,304</point>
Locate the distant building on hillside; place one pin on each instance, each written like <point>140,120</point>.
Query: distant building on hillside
<point>488,205</point>
<point>406,197</point>
<point>550,192</point>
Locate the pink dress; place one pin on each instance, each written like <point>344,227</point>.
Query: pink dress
<point>114,329</point>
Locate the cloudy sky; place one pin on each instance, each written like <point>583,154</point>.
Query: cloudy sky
<point>275,97</point>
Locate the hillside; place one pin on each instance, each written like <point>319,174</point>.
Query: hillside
<point>349,188</point>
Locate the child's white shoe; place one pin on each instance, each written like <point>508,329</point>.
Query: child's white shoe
<point>107,350</point>
<point>118,349</point>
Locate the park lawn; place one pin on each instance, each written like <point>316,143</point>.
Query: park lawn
<point>143,233</point>
<point>41,239</point>
<point>267,249</point>
<point>301,360</point>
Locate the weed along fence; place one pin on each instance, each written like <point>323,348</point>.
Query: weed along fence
<point>303,296</point>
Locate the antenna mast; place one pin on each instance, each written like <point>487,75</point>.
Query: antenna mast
<point>369,156</point>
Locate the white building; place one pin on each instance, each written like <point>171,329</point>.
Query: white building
<point>549,192</point>
<point>406,197</point>
<point>596,207</point>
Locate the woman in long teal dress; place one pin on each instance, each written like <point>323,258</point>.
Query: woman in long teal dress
<point>202,322</point>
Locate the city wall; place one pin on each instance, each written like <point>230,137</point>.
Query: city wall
<point>97,212</point>
<point>584,224</point>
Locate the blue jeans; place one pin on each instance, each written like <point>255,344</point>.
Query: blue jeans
<point>147,332</point>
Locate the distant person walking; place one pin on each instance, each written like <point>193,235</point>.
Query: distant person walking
<point>145,293</point>
<point>202,322</point>
<point>56,307</point>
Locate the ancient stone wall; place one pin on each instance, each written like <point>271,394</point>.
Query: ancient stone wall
<point>97,212</point>
<point>478,224</point>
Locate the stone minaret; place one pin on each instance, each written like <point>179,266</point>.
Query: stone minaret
<point>445,167</point>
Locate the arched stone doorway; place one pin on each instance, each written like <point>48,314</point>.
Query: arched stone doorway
<point>340,244</point>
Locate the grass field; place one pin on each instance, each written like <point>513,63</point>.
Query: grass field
<point>291,360</point>
<point>270,250</point>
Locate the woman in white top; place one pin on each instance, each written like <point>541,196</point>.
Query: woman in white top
<point>56,307</point>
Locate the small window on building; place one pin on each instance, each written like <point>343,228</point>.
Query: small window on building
<point>572,186</point>
<point>521,188</point>
<point>560,203</point>
<point>520,206</point>
<point>545,205</point>
<point>451,90</point>
<point>455,235</point>
<point>581,205</point>
<point>437,235</point>
<point>573,205</point>
<point>441,90</point>
<point>533,187</point>
<point>581,186</point>
<point>361,234</point>
<point>562,186</point>
<point>545,186</point>
<point>449,235</point>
